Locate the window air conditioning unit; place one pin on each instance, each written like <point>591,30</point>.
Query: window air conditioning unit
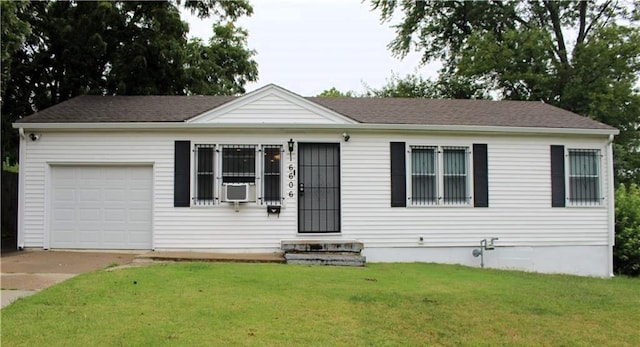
<point>238,192</point>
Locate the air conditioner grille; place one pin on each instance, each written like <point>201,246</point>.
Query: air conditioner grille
<point>237,192</point>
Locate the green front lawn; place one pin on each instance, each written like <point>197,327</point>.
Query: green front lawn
<point>200,304</point>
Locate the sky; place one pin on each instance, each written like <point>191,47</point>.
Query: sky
<point>313,45</point>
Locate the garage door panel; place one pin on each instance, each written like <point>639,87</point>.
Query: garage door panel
<point>64,194</point>
<point>137,237</point>
<point>115,215</point>
<point>117,195</point>
<point>64,236</point>
<point>88,238</point>
<point>138,215</point>
<point>101,207</point>
<point>137,195</point>
<point>65,214</point>
<point>90,195</point>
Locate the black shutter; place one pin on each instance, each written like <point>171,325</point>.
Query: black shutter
<point>398,175</point>
<point>480,176</point>
<point>557,176</point>
<point>181,173</point>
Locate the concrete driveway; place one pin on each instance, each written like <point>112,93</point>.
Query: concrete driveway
<point>26,272</point>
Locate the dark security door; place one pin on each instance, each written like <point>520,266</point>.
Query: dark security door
<point>318,187</point>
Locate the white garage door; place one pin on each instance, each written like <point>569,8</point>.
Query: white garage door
<point>101,207</point>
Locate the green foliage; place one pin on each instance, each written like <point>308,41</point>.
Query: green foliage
<point>213,69</point>
<point>411,86</point>
<point>7,166</point>
<point>198,304</point>
<point>14,33</point>
<point>335,93</point>
<point>414,86</point>
<point>60,49</point>
<point>626,253</point>
<point>522,51</point>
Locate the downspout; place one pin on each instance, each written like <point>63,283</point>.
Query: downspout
<point>21,166</point>
<point>611,204</point>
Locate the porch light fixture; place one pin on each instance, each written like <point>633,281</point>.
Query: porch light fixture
<point>290,143</point>
<point>346,137</point>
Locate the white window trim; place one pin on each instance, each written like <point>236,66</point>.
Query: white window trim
<point>256,160</point>
<point>218,181</point>
<point>567,179</point>
<point>440,175</point>
<point>194,176</point>
<point>261,189</point>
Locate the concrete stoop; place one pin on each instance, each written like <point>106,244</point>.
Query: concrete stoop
<point>318,252</point>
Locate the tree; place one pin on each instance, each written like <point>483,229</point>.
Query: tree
<point>333,92</point>
<point>415,86</point>
<point>14,33</point>
<point>411,86</point>
<point>61,49</point>
<point>523,51</point>
<point>213,69</point>
<point>626,253</point>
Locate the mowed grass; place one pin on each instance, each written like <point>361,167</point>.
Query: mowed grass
<point>215,304</point>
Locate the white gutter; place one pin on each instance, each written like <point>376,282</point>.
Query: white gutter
<point>611,204</point>
<point>307,127</point>
<point>21,161</point>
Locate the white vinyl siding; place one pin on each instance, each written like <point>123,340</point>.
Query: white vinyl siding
<point>519,192</point>
<point>276,108</point>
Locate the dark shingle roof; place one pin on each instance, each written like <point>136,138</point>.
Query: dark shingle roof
<point>458,112</point>
<point>109,109</point>
<point>96,109</point>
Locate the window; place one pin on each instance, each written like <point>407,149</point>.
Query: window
<point>439,175</point>
<point>271,176</point>
<point>424,183</point>
<point>584,177</point>
<point>455,175</point>
<point>205,175</point>
<point>218,165</point>
<point>238,164</point>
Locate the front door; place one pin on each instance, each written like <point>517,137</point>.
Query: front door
<point>319,187</point>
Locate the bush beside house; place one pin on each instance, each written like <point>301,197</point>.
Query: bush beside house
<point>626,255</point>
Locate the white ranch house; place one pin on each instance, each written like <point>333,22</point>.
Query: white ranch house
<point>413,180</point>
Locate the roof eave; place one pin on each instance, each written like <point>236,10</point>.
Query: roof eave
<point>361,126</point>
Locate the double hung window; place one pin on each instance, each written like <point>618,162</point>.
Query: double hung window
<point>238,164</point>
<point>424,176</point>
<point>271,175</point>
<point>439,175</point>
<point>584,177</point>
<point>217,165</point>
<point>204,174</point>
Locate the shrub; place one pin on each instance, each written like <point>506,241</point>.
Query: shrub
<point>7,166</point>
<point>626,253</point>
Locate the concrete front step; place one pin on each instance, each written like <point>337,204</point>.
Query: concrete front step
<point>294,246</point>
<point>176,256</point>
<point>326,258</point>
